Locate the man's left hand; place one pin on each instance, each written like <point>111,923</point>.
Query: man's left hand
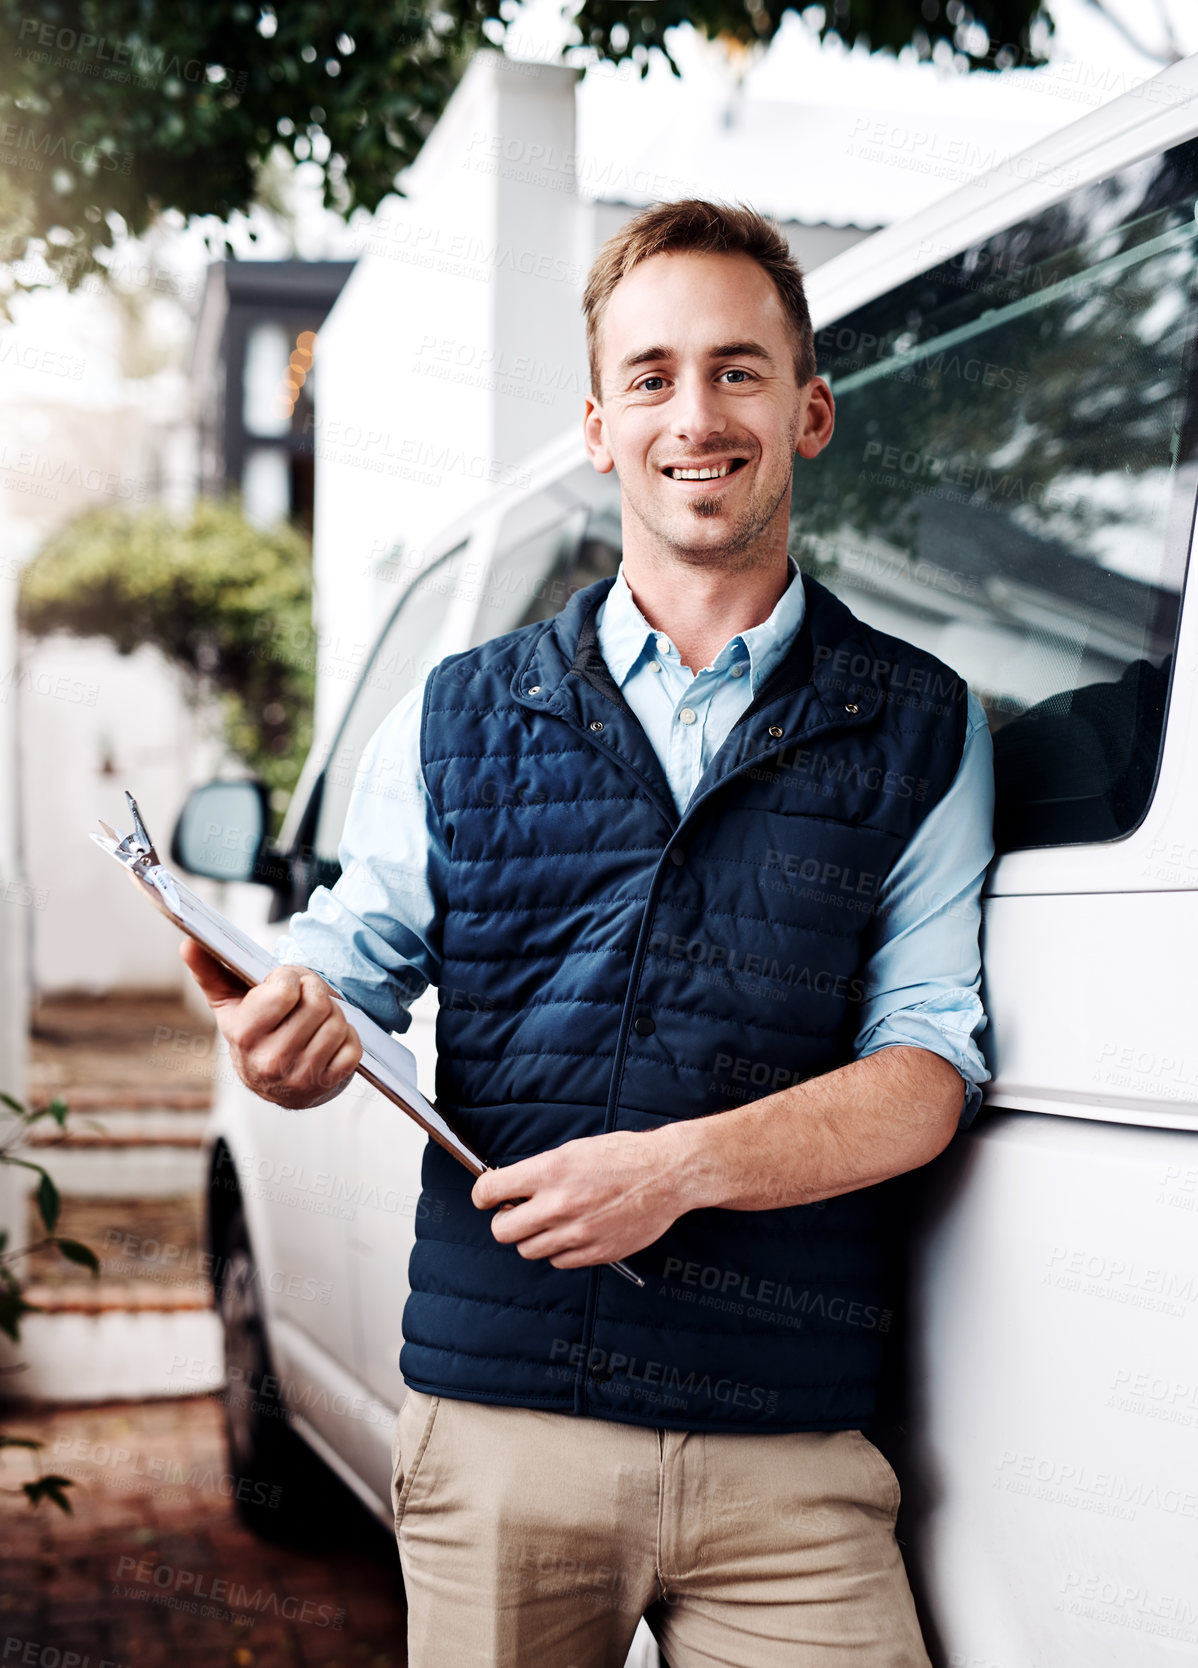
<point>594,1200</point>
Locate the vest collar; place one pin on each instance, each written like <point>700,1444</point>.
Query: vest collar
<point>828,679</point>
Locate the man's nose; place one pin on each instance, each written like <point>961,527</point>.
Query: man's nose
<point>696,413</point>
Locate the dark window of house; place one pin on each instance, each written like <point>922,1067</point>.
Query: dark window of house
<point>1011,485</point>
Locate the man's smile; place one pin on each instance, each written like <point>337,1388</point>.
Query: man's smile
<point>707,473</point>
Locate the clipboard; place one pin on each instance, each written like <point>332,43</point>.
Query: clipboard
<point>386,1063</point>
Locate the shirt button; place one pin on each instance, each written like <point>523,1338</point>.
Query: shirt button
<point>687,715</point>
<point>644,1026</point>
<point>655,665</point>
<point>739,670</point>
<point>663,645</point>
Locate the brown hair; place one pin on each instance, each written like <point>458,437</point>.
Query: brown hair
<point>695,227</point>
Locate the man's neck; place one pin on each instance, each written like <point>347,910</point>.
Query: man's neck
<point>700,609</point>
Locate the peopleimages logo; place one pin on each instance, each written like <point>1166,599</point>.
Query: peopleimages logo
<point>661,1377</point>
<point>775,1294</point>
<point>191,1585</point>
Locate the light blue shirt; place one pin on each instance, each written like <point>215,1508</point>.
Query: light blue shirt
<point>376,933</point>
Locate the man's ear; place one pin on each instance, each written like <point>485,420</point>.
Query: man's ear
<point>817,420</point>
<point>594,432</point>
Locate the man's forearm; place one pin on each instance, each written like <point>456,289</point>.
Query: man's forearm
<point>601,1197</point>
<point>874,1118</point>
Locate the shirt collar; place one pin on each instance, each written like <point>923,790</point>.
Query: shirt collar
<point>625,635</point>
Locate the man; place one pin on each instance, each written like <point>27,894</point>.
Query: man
<point>696,867</point>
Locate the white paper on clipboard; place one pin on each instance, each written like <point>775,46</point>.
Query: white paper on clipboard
<point>385,1062</point>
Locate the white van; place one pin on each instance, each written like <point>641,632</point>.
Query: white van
<point>1011,486</point>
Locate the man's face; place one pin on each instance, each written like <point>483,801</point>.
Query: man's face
<point>697,366</point>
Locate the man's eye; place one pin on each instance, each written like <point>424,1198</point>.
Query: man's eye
<point>646,384</point>
<point>738,374</point>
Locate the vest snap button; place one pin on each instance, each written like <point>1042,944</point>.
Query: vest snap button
<point>677,857</point>
<point>644,1026</point>
<point>595,724</point>
<point>535,690</point>
<point>851,706</point>
<point>601,1375</point>
<point>777,731</point>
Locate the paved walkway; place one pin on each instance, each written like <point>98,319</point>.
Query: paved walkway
<point>153,1570</point>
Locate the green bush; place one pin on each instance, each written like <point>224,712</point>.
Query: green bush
<point>229,603</point>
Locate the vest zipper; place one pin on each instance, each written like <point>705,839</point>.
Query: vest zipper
<point>638,962</point>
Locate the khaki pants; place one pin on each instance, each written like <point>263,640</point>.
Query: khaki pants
<point>538,1540</point>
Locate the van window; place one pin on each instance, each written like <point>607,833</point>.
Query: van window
<point>407,651</point>
<point>529,579</point>
<point>1011,485</point>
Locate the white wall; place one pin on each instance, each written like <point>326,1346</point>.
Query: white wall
<point>94,722</point>
<point>455,348</point>
<point>14,940</point>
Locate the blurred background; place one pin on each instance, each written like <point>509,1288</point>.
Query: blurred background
<point>283,294</point>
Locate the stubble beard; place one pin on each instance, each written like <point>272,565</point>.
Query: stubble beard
<point>731,553</point>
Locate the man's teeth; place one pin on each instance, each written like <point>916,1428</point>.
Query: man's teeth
<point>701,474</point>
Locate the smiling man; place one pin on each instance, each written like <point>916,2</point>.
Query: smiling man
<point>709,851</point>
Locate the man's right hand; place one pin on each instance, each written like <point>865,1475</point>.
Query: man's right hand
<point>289,1040</point>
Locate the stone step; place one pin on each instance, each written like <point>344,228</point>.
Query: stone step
<point>137,1071</point>
<point>135,1331</point>
<point>83,1296</point>
<point>121,1127</point>
<point>94,1102</point>
<point>122,1353</point>
<point>113,1168</point>
<point>123,1050</point>
<point>151,1244</point>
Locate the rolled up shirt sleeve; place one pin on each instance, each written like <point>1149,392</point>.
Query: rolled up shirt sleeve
<point>923,977</point>
<point>375,934</point>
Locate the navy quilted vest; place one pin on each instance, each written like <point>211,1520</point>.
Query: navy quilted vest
<point>608,965</point>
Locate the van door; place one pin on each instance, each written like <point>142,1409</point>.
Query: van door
<point>1012,486</point>
<point>536,563</point>
<point>334,1196</point>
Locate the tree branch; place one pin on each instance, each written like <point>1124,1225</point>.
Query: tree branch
<point>1169,53</point>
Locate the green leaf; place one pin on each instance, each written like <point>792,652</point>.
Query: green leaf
<point>76,1252</point>
<point>12,1307</point>
<point>49,1202</point>
<point>58,1111</point>
<point>13,1105</point>
<point>50,1488</point>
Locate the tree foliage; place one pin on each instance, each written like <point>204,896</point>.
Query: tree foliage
<point>983,35</point>
<point>227,602</point>
<point>131,107</point>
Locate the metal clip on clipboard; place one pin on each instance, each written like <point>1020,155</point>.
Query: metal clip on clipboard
<point>386,1064</point>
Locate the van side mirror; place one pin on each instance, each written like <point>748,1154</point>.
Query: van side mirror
<point>221,832</point>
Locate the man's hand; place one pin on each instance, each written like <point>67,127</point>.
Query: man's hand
<point>289,1040</point>
<point>595,1200</point>
<point>602,1198</point>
